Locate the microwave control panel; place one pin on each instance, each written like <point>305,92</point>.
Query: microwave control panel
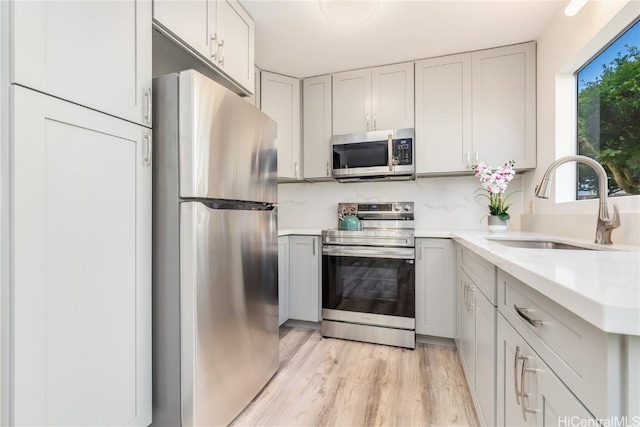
<point>403,151</point>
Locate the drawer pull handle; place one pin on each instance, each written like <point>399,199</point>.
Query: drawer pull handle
<point>522,312</point>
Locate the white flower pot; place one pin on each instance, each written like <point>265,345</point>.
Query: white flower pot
<point>497,224</point>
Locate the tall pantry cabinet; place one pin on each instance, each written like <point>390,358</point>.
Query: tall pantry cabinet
<point>79,281</point>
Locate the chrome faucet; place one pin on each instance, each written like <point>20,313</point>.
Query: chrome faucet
<point>605,224</point>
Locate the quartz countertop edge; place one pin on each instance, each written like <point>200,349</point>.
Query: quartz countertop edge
<point>434,234</point>
<point>600,286</point>
<point>300,232</point>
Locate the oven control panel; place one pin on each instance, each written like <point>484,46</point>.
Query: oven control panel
<point>384,210</point>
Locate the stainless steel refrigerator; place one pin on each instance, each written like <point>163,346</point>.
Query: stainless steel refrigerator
<point>215,252</point>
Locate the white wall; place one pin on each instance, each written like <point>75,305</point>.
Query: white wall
<point>564,46</point>
<point>442,204</point>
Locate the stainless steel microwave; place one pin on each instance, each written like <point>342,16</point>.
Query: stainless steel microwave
<point>381,155</point>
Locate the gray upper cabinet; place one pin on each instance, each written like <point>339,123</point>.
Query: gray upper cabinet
<point>316,124</point>
<point>443,114</point>
<point>96,54</point>
<point>504,105</point>
<point>219,31</point>
<point>477,106</point>
<point>280,99</point>
<point>373,99</point>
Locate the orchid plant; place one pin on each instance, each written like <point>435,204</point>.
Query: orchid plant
<point>494,184</point>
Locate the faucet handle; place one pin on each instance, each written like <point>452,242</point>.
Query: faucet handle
<point>615,221</point>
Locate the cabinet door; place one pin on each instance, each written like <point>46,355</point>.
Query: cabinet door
<point>281,101</point>
<point>235,38</point>
<point>392,97</point>
<point>504,106</point>
<point>485,354</point>
<point>82,266</point>
<point>352,102</point>
<point>283,279</point>
<point>547,401</point>
<point>317,127</point>
<point>192,21</point>
<point>467,329</point>
<point>459,303</point>
<point>93,53</point>
<point>435,287</point>
<point>557,406</point>
<point>304,278</point>
<point>255,98</point>
<point>511,352</point>
<point>443,114</point>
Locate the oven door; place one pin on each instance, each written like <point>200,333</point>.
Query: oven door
<point>378,281</point>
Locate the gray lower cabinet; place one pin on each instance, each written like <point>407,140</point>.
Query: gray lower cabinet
<point>529,392</point>
<point>530,361</point>
<point>299,278</point>
<point>283,279</point>
<point>475,329</point>
<point>81,265</point>
<point>589,364</point>
<point>435,285</point>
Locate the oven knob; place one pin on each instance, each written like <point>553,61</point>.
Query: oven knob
<point>397,208</point>
<point>407,207</point>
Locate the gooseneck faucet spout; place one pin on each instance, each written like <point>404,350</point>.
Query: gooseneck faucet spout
<point>605,224</point>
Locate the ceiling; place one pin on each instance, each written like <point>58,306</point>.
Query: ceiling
<point>295,38</point>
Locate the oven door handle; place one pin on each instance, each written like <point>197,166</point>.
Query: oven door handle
<point>369,252</point>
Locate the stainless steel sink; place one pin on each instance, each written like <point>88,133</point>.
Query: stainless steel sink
<point>538,244</point>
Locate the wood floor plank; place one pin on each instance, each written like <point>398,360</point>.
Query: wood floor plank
<point>332,382</point>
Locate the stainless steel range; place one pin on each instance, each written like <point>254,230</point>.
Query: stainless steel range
<point>368,276</point>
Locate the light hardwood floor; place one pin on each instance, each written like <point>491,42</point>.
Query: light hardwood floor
<point>332,382</point>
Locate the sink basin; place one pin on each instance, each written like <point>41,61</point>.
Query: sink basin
<point>538,244</point>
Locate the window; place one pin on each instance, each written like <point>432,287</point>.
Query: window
<point>609,116</point>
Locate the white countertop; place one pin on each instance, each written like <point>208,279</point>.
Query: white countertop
<point>602,287</point>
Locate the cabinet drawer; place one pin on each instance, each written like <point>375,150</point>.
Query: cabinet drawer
<point>521,371</point>
<point>578,352</point>
<point>481,271</point>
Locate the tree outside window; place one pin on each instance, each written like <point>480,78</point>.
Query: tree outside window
<point>609,116</point>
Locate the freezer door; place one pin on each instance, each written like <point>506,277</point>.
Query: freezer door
<point>229,310</point>
<point>227,146</point>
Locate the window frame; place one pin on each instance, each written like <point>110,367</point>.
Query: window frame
<point>576,80</point>
<point>565,117</point>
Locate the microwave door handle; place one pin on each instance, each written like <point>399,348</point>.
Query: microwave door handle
<point>390,152</point>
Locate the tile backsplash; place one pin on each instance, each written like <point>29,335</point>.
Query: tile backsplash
<point>442,203</point>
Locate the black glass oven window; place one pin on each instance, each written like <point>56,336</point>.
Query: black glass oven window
<point>369,285</point>
<point>369,282</point>
<point>362,155</point>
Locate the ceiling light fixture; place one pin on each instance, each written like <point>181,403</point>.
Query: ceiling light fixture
<point>574,7</point>
<point>348,12</point>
